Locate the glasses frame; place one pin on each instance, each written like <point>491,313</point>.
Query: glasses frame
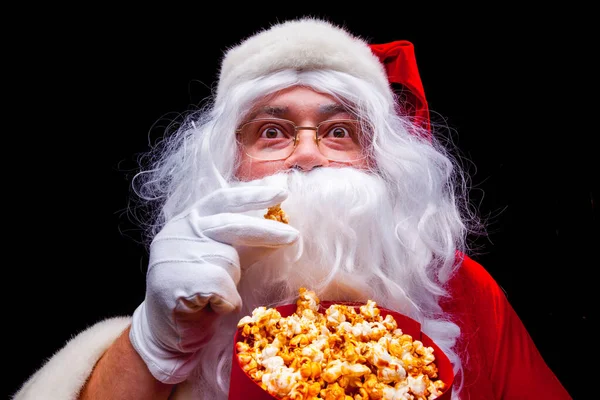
<point>296,140</point>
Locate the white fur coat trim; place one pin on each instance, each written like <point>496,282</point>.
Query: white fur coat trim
<point>64,374</point>
<point>305,43</point>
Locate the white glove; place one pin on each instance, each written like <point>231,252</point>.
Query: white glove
<point>193,272</point>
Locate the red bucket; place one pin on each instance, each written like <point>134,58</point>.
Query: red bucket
<point>243,387</point>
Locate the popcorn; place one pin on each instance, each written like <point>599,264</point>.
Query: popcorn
<point>276,214</point>
<point>344,353</point>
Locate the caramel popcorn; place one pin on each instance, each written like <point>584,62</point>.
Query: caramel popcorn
<point>276,214</point>
<point>341,354</point>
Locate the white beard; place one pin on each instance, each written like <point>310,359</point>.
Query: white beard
<point>340,214</point>
<point>350,250</point>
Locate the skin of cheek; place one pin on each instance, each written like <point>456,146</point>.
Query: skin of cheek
<point>250,169</point>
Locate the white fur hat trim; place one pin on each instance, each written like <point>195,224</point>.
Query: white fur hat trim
<point>302,44</point>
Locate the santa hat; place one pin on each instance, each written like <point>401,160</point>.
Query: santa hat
<point>311,43</point>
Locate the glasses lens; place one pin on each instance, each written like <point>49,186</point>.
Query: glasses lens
<point>267,139</point>
<point>339,140</point>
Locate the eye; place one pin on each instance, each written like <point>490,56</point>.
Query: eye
<point>339,131</point>
<point>272,132</point>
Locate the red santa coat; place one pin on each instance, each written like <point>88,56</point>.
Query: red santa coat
<point>500,359</point>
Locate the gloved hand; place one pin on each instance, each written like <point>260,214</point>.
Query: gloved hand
<point>193,272</point>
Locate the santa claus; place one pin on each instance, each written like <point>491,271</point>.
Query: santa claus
<point>336,131</point>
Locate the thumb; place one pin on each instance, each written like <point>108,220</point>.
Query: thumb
<point>243,230</point>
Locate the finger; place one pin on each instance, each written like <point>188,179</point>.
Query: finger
<point>169,251</point>
<point>191,308</point>
<point>189,287</point>
<point>244,230</point>
<point>220,305</point>
<point>240,199</point>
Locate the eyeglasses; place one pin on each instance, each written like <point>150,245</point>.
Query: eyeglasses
<point>273,139</point>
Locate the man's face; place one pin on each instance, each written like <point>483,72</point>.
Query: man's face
<point>305,108</point>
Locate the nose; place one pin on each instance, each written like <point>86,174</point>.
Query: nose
<point>306,154</point>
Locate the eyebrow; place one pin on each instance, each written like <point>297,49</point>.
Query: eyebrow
<point>330,109</point>
<point>278,111</point>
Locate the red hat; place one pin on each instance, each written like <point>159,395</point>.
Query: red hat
<point>400,65</point>
<point>311,43</point>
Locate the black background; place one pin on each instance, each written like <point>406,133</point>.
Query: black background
<point>95,86</point>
